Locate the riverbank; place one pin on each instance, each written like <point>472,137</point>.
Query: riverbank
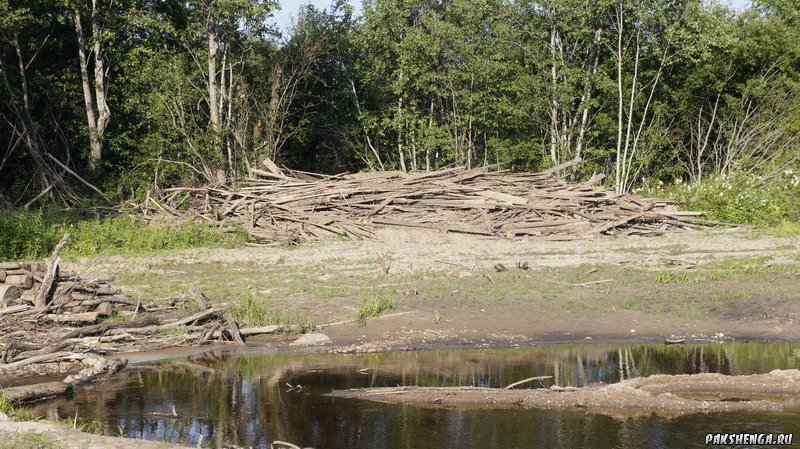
<point>475,291</point>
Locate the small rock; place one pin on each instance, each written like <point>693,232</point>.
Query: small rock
<point>464,274</point>
<point>587,338</point>
<point>4,417</point>
<point>315,339</point>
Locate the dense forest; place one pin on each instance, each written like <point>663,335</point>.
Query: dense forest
<point>114,97</point>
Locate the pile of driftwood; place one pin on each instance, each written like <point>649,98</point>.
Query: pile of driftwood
<point>275,205</point>
<point>57,322</point>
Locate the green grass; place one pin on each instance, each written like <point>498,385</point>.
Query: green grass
<point>33,235</point>
<point>17,413</point>
<point>28,441</point>
<point>733,269</point>
<point>85,425</point>
<point>254,312</point>
<point>374,307</point>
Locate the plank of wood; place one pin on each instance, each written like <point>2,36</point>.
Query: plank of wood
<point>510,199</point>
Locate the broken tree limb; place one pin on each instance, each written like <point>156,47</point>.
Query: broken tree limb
<point>51,273</point>
<point>191,318</point>
<point>85,182</point>
<point>524,381</point>
<point>233,328</point>
<point>104,327</point>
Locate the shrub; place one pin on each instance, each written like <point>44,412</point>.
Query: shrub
<point>742,199</point>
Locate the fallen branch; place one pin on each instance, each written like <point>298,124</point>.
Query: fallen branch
<point>524,381</point>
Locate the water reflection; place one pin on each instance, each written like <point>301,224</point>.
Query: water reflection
<point>244,399</point>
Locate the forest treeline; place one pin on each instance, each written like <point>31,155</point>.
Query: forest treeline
<point>124,95</point>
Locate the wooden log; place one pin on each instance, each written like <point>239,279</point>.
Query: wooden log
<point>14,309</point>
<point>28,393</point>
<point>233,328</point>
<point>9,266</point>
<point>108,291</point>
<point>9,293</point>
<point>20,280</point>
<point>200,298</point>
<point>45,358</point>
<point>108,326</point>
<point>191,318</point>
<point>51,269</point>
<point>77,318</point>
<point>31,352</point>
<point>2,276</point>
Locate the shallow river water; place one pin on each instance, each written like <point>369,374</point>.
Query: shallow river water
<point>244,398</point>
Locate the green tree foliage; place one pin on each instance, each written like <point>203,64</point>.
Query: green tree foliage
<point>202,91</point>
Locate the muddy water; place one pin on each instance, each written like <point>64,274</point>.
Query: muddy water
<point>243,398</point>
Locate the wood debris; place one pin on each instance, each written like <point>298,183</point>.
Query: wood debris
<point>274,206</point>
<point>54,322</point>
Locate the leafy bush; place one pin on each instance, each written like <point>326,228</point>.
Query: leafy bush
<point>743,199</point>
<point>33,235</point>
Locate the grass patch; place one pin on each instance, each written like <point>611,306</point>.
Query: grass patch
<point>253,312</point>
<point>32,235</point>
<point>85,425</point>
<point>28,441</point>
<point>17,413</point>
<point>374,307</point>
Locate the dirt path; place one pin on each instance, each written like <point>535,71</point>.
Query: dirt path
<point>476,291</point>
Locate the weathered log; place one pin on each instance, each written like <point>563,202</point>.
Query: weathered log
<point>9,266</point>
<point>233,328</point>
<point>28,393</point>
<point>191,318</point>
<point>104,327</point>
<point>51,273</point>
<point>200,298</point>
<point>14,309</point>
<point>44,358</point>
<point>20,280</point>
<point>56,347</point>
<point>108,291</point>
<point>9,293</point>
<point>77,318</point>
<point>2,276</point>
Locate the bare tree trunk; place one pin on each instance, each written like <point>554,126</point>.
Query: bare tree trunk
<point>88,101</point>
<point>620,99</point>
<point>553,100</point>
<point>213,85</point>
<point>587,97</point>
<point>103,111</point>
<point>400,134</point>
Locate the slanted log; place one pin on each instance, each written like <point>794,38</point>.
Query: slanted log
<point>51,273</point>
